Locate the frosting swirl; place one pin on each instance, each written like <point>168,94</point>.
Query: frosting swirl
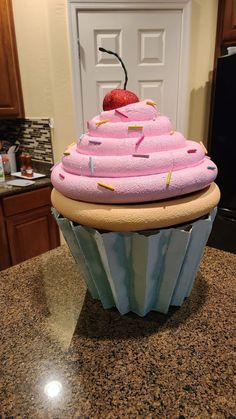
<point>129,155</point>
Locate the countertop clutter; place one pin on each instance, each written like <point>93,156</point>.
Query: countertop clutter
<point>38,183</point>
<point>63,356</point>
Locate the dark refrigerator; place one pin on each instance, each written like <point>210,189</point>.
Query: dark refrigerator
<point>223,152</point>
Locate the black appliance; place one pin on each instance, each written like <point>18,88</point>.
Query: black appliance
<point>223,152</point>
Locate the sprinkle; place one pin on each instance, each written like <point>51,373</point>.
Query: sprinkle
<point>135,127</point>
<point>91,165</point>
<point>211,167</point>
<point>149,102</point>
<point>66,153</point>
<point>204,148</point>
<point>141,155</point>
<point>140,140</point>
<point>193,150</point>
<point>61,176</point>
<point>168,177</point>
<point>103,121</point>
<point>172,132</point>
<point>106,186</point>
<point>94,142</point>
<point>121,113</point>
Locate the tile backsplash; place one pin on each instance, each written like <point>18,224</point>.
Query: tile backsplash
<point>34,135</point>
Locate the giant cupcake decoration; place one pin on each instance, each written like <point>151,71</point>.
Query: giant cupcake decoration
<point>144,255</point>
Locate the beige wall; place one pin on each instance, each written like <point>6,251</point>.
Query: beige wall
<point>203,30</point>
<point>44,55</point>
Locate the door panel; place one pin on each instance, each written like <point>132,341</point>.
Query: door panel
<point>148,43</point>
<point>31,233</point>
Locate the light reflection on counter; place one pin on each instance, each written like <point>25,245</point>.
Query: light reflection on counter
<point>53,389</point>
<point>64,293</point>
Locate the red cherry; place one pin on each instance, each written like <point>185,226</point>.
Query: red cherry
<point>118,98</point>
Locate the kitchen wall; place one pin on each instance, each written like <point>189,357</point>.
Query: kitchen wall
<point>44,58</point>
<point>34,136</point>
<point>203,31</point>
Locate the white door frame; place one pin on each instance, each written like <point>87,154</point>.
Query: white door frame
<point>184,6</point>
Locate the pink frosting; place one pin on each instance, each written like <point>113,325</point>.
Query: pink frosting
<point>136,153</point>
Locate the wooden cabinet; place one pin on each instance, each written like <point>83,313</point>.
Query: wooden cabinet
<point>226,28</point>
<point>30,234</point>
<point>27,227</point>
<point>229,21</point>
<point>11,100</point>
<point>225,37</point>
<point>5,259</point>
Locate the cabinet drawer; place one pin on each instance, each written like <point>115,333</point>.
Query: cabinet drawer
<point>26,201</point>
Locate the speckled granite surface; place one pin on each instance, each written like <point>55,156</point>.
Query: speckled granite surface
<point>109,366</point>
<point>7,191</point>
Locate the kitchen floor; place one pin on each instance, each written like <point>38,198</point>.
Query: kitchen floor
<point>63,356</point>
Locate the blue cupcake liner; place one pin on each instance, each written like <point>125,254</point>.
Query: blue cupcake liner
<point>138,271</point>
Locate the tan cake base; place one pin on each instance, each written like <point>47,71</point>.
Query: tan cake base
<point>136,217</point>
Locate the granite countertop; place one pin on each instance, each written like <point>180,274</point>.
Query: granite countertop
<point>106,365</point>
<point>39,183</point>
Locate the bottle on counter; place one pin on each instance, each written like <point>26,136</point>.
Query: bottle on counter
<point>23,164</point>
<point>2,176</point>
<point>26,165</point>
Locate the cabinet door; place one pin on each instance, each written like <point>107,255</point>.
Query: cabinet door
<point>5,260</point>
<point>11,102</point>
<point>229,25</point>
<point>31,233</point>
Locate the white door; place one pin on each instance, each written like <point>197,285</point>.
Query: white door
<point>148,42</point>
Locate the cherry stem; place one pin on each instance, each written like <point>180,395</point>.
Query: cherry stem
<point>123,66</point>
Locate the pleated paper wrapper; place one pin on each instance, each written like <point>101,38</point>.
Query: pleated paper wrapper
<point>138,271</point>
